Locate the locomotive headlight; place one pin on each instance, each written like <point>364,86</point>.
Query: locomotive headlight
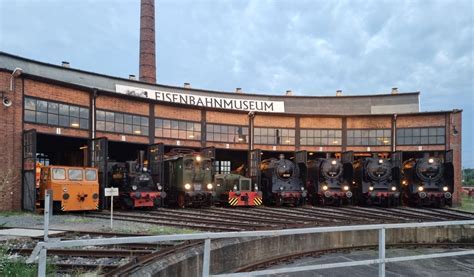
<point>371,188</point>
<point>256,188</point>
<point>235,187</point>
<point>445,188</point>
<point>430,160</point>
<point>325,187</point>
<point>394,188</point>
<point>380,161</point>
<point>302,188</point>
<point>145,169</point>
<point>333,162</point>
<point>281,188</point>
<point>198,158</point>
<point>134,187</point>
<point>187,186</point>
<point>404,182</point>
<point>346,187</point>
<point>420,188</point>
<point>159,187</point>
<point>209,186</point>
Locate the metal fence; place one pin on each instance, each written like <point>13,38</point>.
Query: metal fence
<point>42,247</point>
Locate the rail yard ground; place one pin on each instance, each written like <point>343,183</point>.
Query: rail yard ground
<point>88,225</point>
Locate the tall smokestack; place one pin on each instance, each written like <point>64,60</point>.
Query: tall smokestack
<point>147,42</point>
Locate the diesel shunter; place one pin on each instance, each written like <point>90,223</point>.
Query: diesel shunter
<point>236,190</point>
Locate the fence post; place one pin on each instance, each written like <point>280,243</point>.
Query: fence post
<point>47,212</point>
<point>42,263</point>
<point>206,258</point>
<point>382,252</point>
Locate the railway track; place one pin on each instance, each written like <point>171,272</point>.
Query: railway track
<point>265,263</point>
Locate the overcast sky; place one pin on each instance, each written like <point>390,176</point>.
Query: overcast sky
<point>310,47</point>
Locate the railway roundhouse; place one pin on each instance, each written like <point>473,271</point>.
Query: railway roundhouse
<point>56,114</point>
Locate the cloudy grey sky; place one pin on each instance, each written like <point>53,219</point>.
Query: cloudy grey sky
<point>310,47</point>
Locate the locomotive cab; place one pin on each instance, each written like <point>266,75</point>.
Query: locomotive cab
<point>74,188</point>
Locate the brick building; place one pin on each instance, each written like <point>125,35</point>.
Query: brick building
<point>68,107</point>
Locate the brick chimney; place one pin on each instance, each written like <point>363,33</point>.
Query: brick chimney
<point>147,42</point>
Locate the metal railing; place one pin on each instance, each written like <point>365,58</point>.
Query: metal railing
<point>42,247</point>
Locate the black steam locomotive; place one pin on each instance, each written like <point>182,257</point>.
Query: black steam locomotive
<point>329,181</point>
<point>428,181</point>
<point>377,180</point>
<point>136,186</point>
<point>281,182</point>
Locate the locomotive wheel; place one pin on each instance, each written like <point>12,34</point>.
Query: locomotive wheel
<point>279,201</point>
<point>181,200</point>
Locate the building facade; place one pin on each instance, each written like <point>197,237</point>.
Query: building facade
<point>67,108</point>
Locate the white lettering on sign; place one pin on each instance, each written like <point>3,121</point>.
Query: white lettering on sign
<point>203,101</point>
<point>111,191</point>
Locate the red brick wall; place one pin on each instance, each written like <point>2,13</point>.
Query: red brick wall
<point>104,102</point>
<point>56,93</point>
<point>11,145</point>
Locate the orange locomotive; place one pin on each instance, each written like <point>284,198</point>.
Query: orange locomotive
<point>236,190</point>
<point>74,188</point>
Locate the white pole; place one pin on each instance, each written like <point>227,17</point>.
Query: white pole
<point>206,258</point>
<point>47,204</point>
<point>111,211</point>
<point>382,252</point>
<point>42,263</point>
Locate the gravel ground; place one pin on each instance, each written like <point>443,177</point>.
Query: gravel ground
<point>76,222</point>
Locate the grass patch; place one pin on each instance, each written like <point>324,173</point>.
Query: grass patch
<point>153,230</point>
<point>13,213</point>
<point>78,220</point>
<point>467,203</point>
<point>16,266</point>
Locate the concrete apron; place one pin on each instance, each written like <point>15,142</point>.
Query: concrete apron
<point>230,254</point>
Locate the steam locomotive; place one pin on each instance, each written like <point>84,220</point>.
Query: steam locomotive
<point>188,177</point>
<point>428,181</point>
<point>136,186</point>
<point>377,180</point>
<point>329,181</point>
<point>281,182</point>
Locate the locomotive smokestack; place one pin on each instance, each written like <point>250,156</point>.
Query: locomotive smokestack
<point>147,42</point>
<point>141,160</point>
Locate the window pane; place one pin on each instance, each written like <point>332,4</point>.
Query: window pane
<point>100,125</point>
<point>91,175</point>
<point>174,124</point>
<point>84,123</point>
<point>408,132</point>
<point>424,140</point>
<point>400,132</point>
<point>41,106</point>
<point>158,123</point>
<point>365,133</point>
<point>30,116</point>
<point>74,122</point>
<point>379,133</point>
<point>416,132</point>
<point>166,124</point>
<point>127,118</point>
<point>30,104</point>
<point>424,132</point>
<point>197,127</point>
<point>432,140</point>
<point>440,140</point>
<point>432,131</point>
<point>144,130</point>
<point>41,117</point>
<point>53,119</point>
<point>416,140</point>
<point>63,109</point>
<point>100,115</point>
<point>136,120</point>
<point>109,126</point>
<point>64,121</point>
<point>74,111</point>
<point>119,117</point>
<point>109,116</point>
<point>119,127</point>
<point>59,173</point>
<point>144,121</point>
<point>127,128</point>
<point>75,174</point>
<point>84,113</point>
<point>440,132</point>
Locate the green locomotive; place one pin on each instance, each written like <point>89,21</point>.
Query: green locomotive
<point>188,178</point>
